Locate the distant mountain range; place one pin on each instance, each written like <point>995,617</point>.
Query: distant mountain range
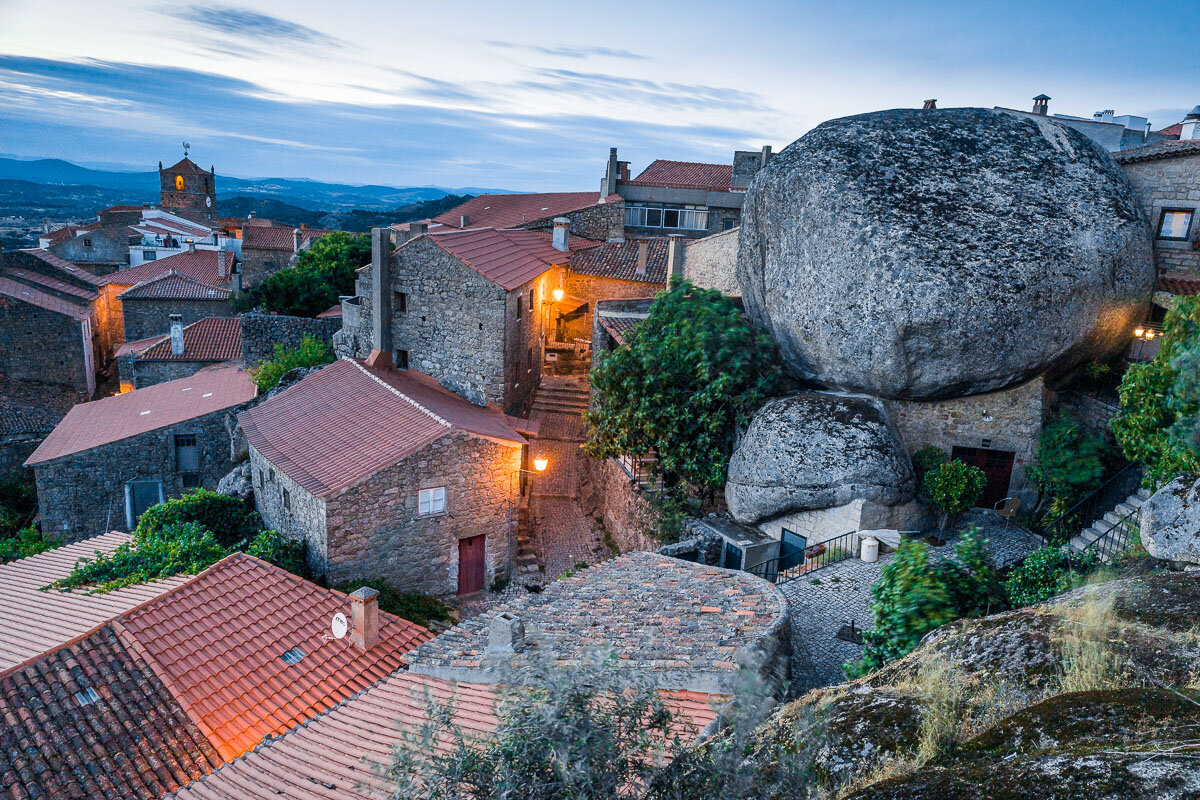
<point>142,187</point>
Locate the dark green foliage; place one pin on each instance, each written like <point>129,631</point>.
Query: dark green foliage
<point>229,519</point>
<point>273,547</point>
<point>687,376</point>
<point>309,353</point>
<point>323,272</point>
<point>1070,464</point>
<point>1046,573</point>
<point>26,542</point>
<point>411,606</point>
<point>1157,424</point>
<point>927,458</point>
<point>156,553</point>
<point>952,488</point>
<point>18,502</point>
<point>975,587</point>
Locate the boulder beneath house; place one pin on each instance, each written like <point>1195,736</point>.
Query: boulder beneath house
<point>931,254</point>
<point>817,450</point>
<point>238,482</point>
<point>1169,521</point>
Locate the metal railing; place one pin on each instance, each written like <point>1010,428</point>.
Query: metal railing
<point>1091,508</point>
<point>783,569</point>
<point>1109,545</point>
<point>642,469</point>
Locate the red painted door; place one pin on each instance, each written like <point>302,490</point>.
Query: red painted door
<point>470,564</point>
<point>996,465</point>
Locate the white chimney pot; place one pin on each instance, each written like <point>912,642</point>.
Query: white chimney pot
<point>562,227</point>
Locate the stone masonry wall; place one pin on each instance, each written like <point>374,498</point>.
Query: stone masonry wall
<point>1092,413</point>
<point>602,221</point>
<point>261,332</point>
<point>260,264</point>
<point>1170,183</point>
<point>301,517</point>
<point>83,494</point>
<point>711,262</point>
<point>1017,415</point>
<point>41,345</point>
<point>147,373</point>
<point>525,339</point>
<point>152,317</point>
<point>618,503</point>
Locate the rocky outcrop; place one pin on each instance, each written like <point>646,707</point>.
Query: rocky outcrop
<point>931,254</point>
<point>238,483</point>
<point>817,450</point>
<point>1170,521</point>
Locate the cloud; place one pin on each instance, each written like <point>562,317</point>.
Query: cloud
<point>251,25</point>
<point>569,52</point>
<point>674,96</point>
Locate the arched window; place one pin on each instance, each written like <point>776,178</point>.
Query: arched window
<point>179,183</point>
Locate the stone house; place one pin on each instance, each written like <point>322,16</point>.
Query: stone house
<point>630,269</point>
<point>185,188</point>
<point>97,249</point>
<point>385,474</point>
<point>182,352</point>
<point>109,460</point>
<point>683,197</point>
<point>472,308</point>
<point>592,216</point>
<point>152,304</point>
<point>55,324</point>
<point>268,247</point>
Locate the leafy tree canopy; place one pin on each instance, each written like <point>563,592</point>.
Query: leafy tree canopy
<point>952,488</point>
<point>310,353</point>
<point>1070,463</point>
<point>686,377</point>
<point>323,272</point>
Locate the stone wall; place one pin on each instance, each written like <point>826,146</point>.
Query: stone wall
<point>525,339</point>
<point>152,317</point>
<point>1010,419</point>
<point>15,448</point>
<point>301,517</point>
<point>594,289</point>
<point>618,503</point>
<point>259,264</point>
<point>711,262</point>
<point>1092,413</point>
<point>1169,183</point>
<point>83,494</point>
<point>40,345</point>
<point>105,251</point>
<point>602,221</point>
<point>819,525</point>
<point>147,373</point>
<point>261,332</point>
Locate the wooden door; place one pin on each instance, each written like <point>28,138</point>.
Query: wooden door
<point>471,564</point>
<point>996,465</point>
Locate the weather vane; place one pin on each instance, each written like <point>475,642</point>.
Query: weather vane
<point>186,147</point>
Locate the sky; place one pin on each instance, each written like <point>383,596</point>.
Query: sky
<point>530,95</point>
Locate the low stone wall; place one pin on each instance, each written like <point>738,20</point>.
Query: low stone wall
<point>711,262</point>
<point>1092,413</point>
<point>261,332</point>
<point>618,503</point>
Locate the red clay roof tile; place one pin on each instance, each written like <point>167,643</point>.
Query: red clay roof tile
<point>685,175</point>
<point>511,210</point>
<point>618,260</point>
<point>173,286</point>
<point>29,294</point>
<point>206,266</point>
<point>508,258</point>
<point>209,339</point>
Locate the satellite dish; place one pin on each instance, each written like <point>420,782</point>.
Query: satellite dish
<point>339,626</point>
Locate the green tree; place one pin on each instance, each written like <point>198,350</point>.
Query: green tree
<point>975,587</point>
<point>412,606</point>
<point>323,272</point>
<point>952,488</point>
<point>229,519</point>
<point>1046,573</point>
<point>310,353</point>
<point>26,542</point>
<point>1157,424</point>
<point>159,553</point>
<point>18,502</point>
<point>686,378</point>
<point>1070,463</point>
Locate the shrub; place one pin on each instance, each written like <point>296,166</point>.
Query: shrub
<point>156,553</point>
<point>275,548</point>
<point>18,502</point>
<point>927,458</point>
<point>685,379</point>
<point>229,519</point>
<point>310,353</point>
<point>1070,464</point>
<point>323,272</point>
<point>975,587</point>
<point>26,542</point>
<point>411,606</point>
<point>952,488</point>
<point>1046,573</point>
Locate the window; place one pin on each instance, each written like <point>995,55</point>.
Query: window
<point>402,359</point>
<point>518,308</point>
<point>531,299</point>
<point>191,480</point>
<point>401,303</point>
<point>287,498</point>
<point>431,501</point>
<point>654,217</point>
<point>686,217</point>
<point>87,242</point>
<point>727,225</point>
<point>87,696</point>
<point>149,255</point>
<point>670,217</point>
<point>139,496</point>
<point>1175,223</point>
<point>187,454</point>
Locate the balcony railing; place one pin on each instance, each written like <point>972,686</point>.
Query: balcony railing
<point>689,219</point>
<point>787,568</point>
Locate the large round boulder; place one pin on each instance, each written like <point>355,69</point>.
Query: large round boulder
<point>1169,522</point>
<point>931,254</point>
<point>817,450</point>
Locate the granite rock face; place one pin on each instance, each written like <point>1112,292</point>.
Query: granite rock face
<point>238,483</point>
<point>931,254</point>
<point>817,450</point>
<point>1170,521</point>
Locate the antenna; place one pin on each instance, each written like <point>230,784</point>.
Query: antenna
<point>339,625</point>
<point>186,147</point>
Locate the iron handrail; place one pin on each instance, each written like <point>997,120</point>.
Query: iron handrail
<point>1114,541</point>
<point>782,569</point>
<point>1065,526</point>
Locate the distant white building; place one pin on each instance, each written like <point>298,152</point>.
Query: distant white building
<point>165,234</point>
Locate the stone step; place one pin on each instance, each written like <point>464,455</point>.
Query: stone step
<point>1144,493</point>
<point>1125,508</point>
<point>558,405</point>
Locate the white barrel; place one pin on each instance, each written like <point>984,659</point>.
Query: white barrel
<point>870,549</point>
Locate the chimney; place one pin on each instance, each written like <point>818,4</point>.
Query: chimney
<point>1190,129</point>
<point>464,220</point>
<point>381,298</point>
<point>766,155</point>
<point>643,252</point>
<point>415,229</point>
<point>176,334</point>
<point>1041,105</point>
<point>223,264</point>
<point>235,282</point>
<point>676,255</point>
<point>611,174</point>
<point>364,608</point>
<point>505,634</point>
<point>191,245</point>
<point>930,105</point>
<point>296,239</point>
<point>562,226</point>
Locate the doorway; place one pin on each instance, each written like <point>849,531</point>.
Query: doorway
<point>791,550</point>
<point>471,564</point>
<point>997,465</point>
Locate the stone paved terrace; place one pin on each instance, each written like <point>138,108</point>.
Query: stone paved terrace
<point>680,623</point>
<point>821,602</point>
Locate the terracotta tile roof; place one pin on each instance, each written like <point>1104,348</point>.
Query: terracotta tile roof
<point>1179,283</point>
<point>1172,148</point>
<point>92,720</point>
<point>66,266</point>
<point>619,327</point>
<point>111,419</point>
<point>209,339</point>
<point>63,234</point>
<point>51,283</point>
<point>138,345</point>
<point>1172,130</point>
<point>508,258</point>
<point>188,166</point>
<point>685,175</point>
<point>619,260</point>
<point>211,267</point>
<point>278,238</point>
<point>511,210</point>
<point>173,286</point>
<point>336,755</point>
<point>28,294</point>
<point>357,421</point>
<point>33,622</point>
<point>217,644</point>
<point>332,311</point>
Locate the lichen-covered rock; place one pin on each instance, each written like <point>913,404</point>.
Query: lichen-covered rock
<point>817,450</point>
<point>1170,521</point>
<point>933,254</point>
<point>238,483</point>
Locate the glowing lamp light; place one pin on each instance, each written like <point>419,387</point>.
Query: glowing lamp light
<point>540,463</point>
<point>1149,335</point>
<point>1138,332</point>
<point>558,295</point>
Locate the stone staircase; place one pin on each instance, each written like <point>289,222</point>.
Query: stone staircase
<point>529,565</point>
<point>1106,523</point>
<point>561,397</point>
